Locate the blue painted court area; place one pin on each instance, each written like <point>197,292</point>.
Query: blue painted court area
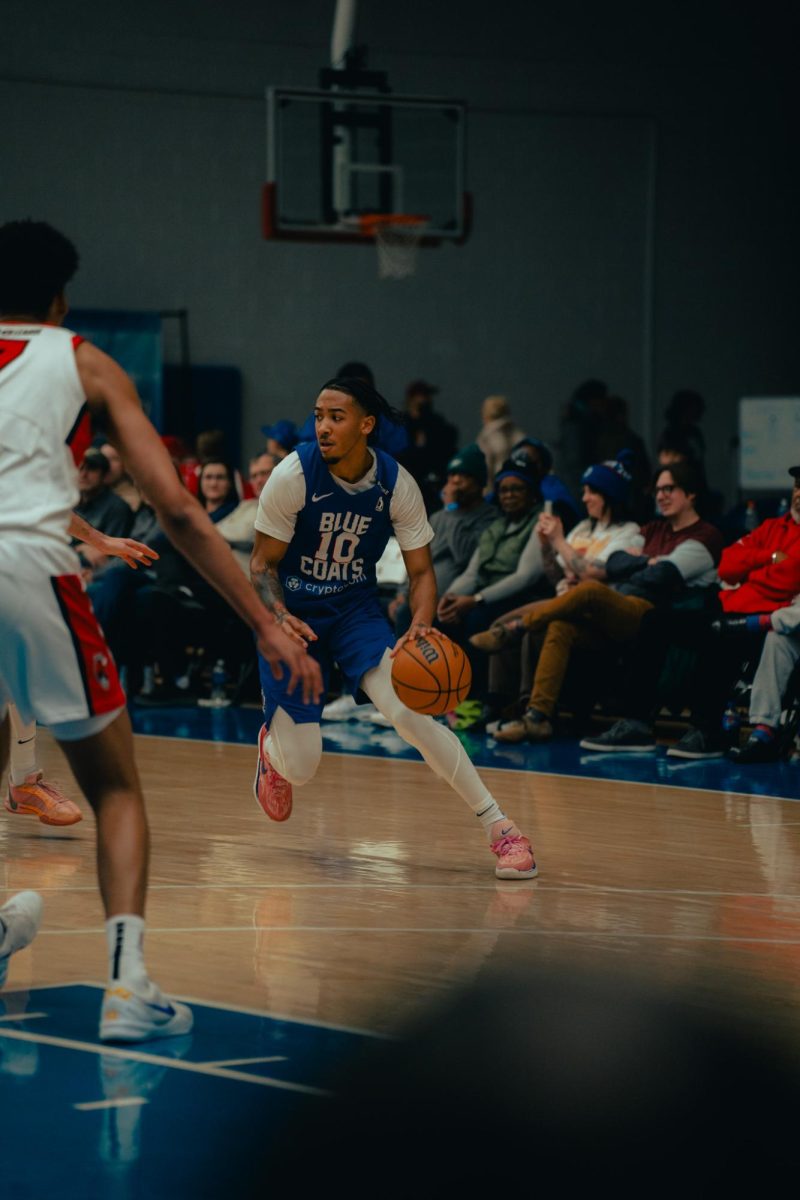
<point>562,756</point>
<point>195,1116</point>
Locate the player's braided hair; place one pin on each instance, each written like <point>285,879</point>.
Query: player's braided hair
<point>372,402</point>
<point>36,264</point>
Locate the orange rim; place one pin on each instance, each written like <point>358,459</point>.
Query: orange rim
<point>370,223</point>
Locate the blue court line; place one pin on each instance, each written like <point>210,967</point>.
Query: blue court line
<point>159,1119</point>
<point>561,756</point>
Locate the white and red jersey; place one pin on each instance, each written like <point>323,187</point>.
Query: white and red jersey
<point>44,431</point>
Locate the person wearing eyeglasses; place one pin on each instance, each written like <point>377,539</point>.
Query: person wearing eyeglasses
<point>677,563</point>
<point>761,577</point>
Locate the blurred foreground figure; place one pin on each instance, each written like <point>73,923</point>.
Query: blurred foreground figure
<point>579,1081</point>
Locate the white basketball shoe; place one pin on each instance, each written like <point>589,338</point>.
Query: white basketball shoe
<point>21,917</point>
<point>129,1016</point>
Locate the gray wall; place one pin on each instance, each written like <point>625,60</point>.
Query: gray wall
<point>139,130</point>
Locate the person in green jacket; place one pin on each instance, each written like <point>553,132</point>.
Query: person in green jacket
<point>505,570</point>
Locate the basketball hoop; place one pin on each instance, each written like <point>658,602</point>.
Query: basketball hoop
<point>397,237</point>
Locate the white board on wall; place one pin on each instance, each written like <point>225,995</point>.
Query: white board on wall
<point>769,441</point>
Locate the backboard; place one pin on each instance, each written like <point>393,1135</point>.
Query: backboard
<point>333,156</point>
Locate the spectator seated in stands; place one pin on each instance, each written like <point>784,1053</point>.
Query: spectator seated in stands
<point>150,617</point>
<point>456,527</point>
<point>540,459</point>
<point>238,527</point>
<point>498,433</point>
<point>507,562</point>
<point>100,507</point>
<point>282,437</point>
<point>581,555</point>
<point>506,569</point>
<point>781,650</point>
<point>675,446</point>
<point>779,657</point>
<point>216,488</point>
<point>760,576</point>
<point>676,564</point>
<point>118,479</point>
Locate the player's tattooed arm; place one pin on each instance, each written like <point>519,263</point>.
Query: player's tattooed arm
<point>264,562</point>
<point>270,590</point>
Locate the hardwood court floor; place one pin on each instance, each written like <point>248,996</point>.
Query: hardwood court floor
<point>379,893</point>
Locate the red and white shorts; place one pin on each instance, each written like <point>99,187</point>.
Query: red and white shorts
<point>54,661</point>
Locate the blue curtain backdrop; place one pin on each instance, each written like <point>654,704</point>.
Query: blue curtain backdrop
<point>134,340</point>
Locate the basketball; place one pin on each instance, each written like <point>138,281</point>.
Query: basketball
<point>432,675</point>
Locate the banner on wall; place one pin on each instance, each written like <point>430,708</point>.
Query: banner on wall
<point>134,340</point>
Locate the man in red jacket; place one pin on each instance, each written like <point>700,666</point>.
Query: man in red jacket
<point>760,574</point>
<point>772,554</point>
<point>762,569</point>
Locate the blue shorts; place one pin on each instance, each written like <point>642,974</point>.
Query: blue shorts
<point>355,635</point>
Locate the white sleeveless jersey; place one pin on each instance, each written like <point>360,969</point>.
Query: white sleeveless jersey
<point>44,430</point>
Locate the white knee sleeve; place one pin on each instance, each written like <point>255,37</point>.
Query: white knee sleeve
<point>438,745</point>
<point>294,750</point>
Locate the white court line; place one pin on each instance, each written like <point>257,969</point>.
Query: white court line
<point>564,775</point>
<point>242,1062</point>
<point>123,1102</point>
<point>24,1017</point>
<point>380,930</point>
<point>222,1006</point>
<point>157,1060</point>
<point>165,737</point>
<point>510,885</point>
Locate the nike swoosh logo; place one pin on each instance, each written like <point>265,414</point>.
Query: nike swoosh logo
<point>324,496</point>
<point>169,1010</point>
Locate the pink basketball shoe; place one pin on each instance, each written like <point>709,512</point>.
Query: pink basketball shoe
<point>271,790</point>
<point>514,858</point>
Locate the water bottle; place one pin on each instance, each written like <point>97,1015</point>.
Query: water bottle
<point>783,507</point>
<point>731,721</point>
<point>750,517</point>
<point>219,677</point>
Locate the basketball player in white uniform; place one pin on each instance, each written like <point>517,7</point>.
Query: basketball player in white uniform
<point>29,793</point>
<point>54,662</point>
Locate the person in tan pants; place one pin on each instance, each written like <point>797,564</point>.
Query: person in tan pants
<point>679,553</point>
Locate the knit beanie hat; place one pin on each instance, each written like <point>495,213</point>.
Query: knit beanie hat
<point>513,468</point>
<point>612,478</point>
<point>545,453</point>
<point>469,461</point>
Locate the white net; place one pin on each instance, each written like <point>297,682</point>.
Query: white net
<point>397,241</point>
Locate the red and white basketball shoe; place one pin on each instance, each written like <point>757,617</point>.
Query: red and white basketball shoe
<point>271,790</point>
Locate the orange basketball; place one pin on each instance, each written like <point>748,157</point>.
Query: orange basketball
<point>432,674</point>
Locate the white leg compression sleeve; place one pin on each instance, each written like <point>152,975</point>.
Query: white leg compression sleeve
<point>439,746</point>
<point>294,750</point>
<point>23,747</point>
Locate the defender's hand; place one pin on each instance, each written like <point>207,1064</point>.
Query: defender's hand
<point>131,552</point>
<point>279,650</point>
<point>296,629</point>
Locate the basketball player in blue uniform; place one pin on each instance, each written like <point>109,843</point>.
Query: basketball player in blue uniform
<point>324,518</point>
